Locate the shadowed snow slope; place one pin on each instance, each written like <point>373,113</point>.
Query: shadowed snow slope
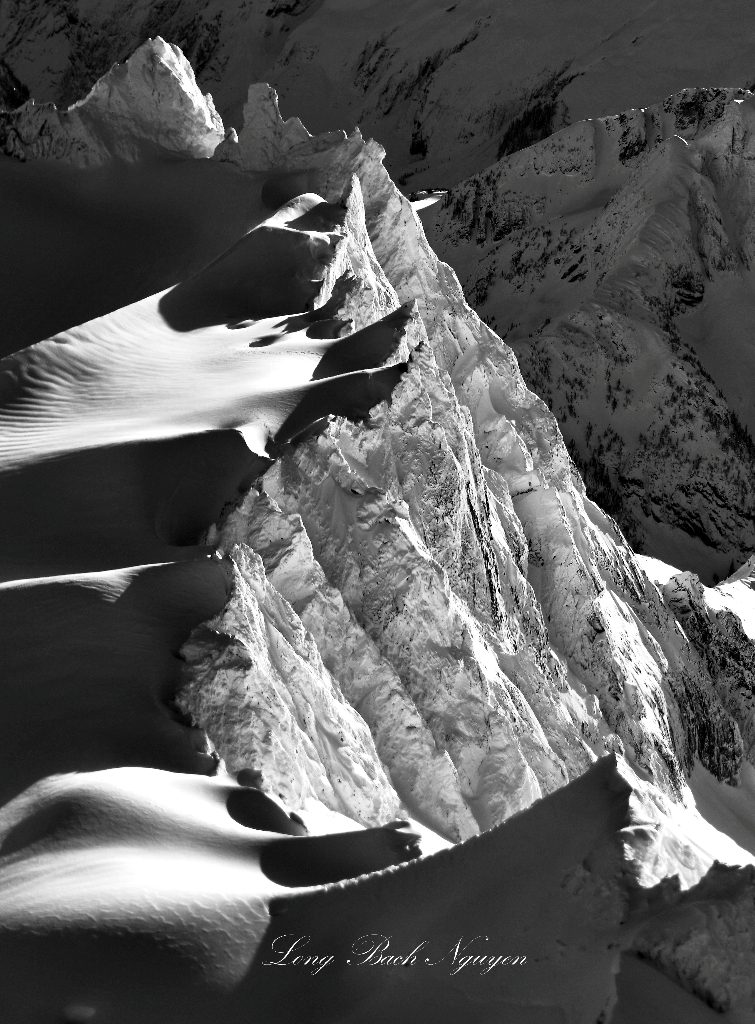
<point>128,230</point>
<point>170,365</point>
<point>284,523</point>
<point>147,902</point>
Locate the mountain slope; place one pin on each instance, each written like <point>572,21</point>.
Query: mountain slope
<point>446,89</point>
<point>615,257</point>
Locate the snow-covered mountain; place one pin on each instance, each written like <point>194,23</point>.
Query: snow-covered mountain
<point>285,448</point>
<point>446,89</point>
<point>616,259</point>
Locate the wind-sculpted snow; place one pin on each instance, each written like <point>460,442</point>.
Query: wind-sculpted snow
<point>146,899</point>
<point>293,531</point>
<point>615,259</point>
<point>86,388</point>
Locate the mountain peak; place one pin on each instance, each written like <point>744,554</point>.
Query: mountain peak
<point>147,106</point>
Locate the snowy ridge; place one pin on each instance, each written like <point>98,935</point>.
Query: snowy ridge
<point>446,89</point>
<point>390,593</point>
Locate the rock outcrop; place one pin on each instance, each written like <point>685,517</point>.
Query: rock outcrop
<point>704,941</point>
<point>717,634</point>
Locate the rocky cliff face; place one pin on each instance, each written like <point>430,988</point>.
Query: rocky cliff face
<point>615,259</point>
<point>525,635</point>
<point>718,635</point>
